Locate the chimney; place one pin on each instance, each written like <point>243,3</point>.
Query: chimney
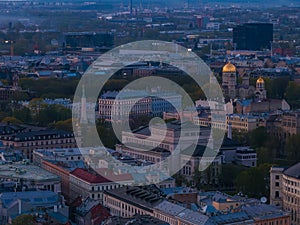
<point>19,206</point>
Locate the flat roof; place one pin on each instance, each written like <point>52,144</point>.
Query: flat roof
<point>26,172</point>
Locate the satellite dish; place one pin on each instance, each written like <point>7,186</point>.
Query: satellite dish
<point>263,199</point>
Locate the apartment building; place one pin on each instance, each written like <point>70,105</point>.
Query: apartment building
<point>285,190</point>
<point>28,141</point>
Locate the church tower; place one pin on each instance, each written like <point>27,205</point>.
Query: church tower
<point>229,81</point>
<point>260,91</point>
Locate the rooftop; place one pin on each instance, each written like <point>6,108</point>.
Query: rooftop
<point>33,197</point>
<point>59,152</point>
<point>135,220</point>
<point>293,171</point>
<point>230,218</point>
<point>28,172</point>
<point>89,177</point>
<point>145,197</point>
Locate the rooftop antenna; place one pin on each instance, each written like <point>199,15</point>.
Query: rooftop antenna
<point>130,7</point>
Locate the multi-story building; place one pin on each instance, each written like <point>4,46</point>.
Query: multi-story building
<point>284,125</point>
<point>64,155</point>
<point>86,184</point>
<point>132,103</point>
<point>28,141</point>
<point>245,123</point>
<point>114,107</point>
<point>14,204</point>
<point>238,122</point>
<point>285,190</point>
<point>147,136</point>
<point>246,157</point>
<point>128,201</point>
<point>253,36</point>
<point>267,214</point>
<point>62,172</point>
<point>225,209</point>
<point>30,176</point>
<point>194,160</point>
<point>88,41</point>
<point>135,220</point>
<point>91,212</point>
<point>138,152</point>
<point>276,185</point>
<point>60,161</point>
<point>175,214</point>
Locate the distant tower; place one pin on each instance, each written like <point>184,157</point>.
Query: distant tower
<point>141,5</point>
<point>15,81</point>
<point>83,116</point>
<point>229,134</point>
<point>130,7</point>
<point>229,80</point>
<point>260,91</point>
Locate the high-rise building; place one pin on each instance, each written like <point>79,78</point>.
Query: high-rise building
<point>253,36</point>
<point>88,41</point>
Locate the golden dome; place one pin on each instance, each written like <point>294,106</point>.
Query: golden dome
<point>229,68</point>
<point>260,80</point>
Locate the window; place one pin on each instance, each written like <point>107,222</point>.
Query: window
<point>277,184</point>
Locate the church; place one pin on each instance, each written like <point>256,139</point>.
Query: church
<point>233,90</point>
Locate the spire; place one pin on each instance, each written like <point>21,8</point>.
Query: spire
<point>83,116</point>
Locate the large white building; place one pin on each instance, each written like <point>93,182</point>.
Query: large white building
<point>155,136</point>
<point>85,184</point>
<point>285,190</point>
<point>120,105</point>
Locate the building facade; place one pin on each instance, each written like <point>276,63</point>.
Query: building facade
<point>285,190</point>
<point>86,184</point>
<point>29,141</point>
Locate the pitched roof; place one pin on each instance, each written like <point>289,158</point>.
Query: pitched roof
<point>293,171</point>
<point>88,177</point>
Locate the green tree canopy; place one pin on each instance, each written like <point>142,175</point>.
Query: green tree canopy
<point>292,148</point>
<point>11,120</point>
<point>24,220</point>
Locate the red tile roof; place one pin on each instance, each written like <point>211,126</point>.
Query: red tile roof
<point>89,177</point>
<point>99,214</point>
<point>115,177</point>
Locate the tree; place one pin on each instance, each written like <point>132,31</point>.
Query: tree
<point>264,155</point>
<point>254,181</point>
<point>65,125</point>
<point>257,137</point>
<point>229,174</point>
<point>23,114</point>
<point>292,148</point>
<point>24,219</point>
<point>52,113</point>
<point>292,94</point>
<point>179,179</point>
<point>11,120</point>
